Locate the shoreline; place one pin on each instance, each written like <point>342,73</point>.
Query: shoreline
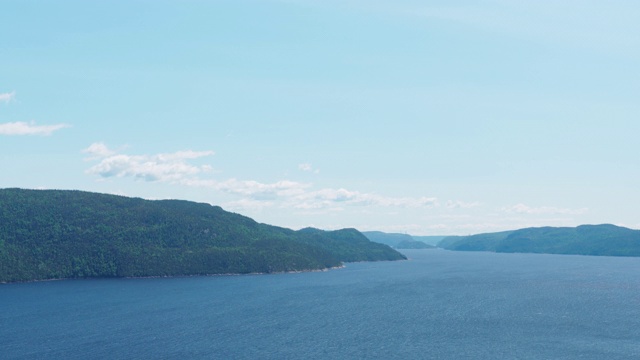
<point>177,276</point>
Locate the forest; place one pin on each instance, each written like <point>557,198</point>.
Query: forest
<point>603,240</point>
<point>56,234</point>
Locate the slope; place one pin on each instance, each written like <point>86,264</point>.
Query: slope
<point>46,234</point>
<point>606,239</point>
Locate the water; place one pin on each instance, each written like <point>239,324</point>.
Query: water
<point>438,305</point>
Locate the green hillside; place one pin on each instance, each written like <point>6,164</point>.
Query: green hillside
<point>479,242</point>
<point>46,234</point>
<point>606,240</point>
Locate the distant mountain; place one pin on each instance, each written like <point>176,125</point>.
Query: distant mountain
<point>349,244</point>
<point>606,240</point>
<point>479,242</point>
<point>413,244</point>
<point>390,239</point>
<point>47,234</point>
<point>398,241</point>
<point>431,240</point>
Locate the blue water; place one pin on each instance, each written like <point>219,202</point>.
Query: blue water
<point>438,305</point>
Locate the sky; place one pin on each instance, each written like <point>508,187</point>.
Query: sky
<point>419,117</point>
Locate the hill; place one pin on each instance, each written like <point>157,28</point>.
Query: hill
<point>479,242</point>
<point>390,239</point>
<point>398,241</point>
<point>413,244</point>
<point>47,234</point>
<point>606,240</point>
<point>431,240</point>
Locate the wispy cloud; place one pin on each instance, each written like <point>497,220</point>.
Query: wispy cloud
<point>308,168</point>
<point>260,191</point>
<point>329,197</point>
<point>176,168</point>
<point>23,128</point>
<point>457,204</point>
<point>293,194</point>
<point>543,210</point>
<point>98,150</point>
<point>169,167</point>
<point>7,97</point>
<point>243,204</point>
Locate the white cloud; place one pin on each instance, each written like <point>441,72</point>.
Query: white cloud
<point>7,97</point>
<point>308,168</point>
<point>543,210</point>
<point>23,128</point>
<point>248,204</point>
<point>461,204</point>
<point>293,194</point>
<point>98,150</point>
<point>327,197</point>
<point>305,167</point>
<point>177,168</point>
<point>169,167</point>
<point>258,190</point>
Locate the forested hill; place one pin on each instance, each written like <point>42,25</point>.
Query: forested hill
<point>47,234</point>
<point>607,240</point>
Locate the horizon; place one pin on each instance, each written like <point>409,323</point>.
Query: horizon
<point>363,231</point>
<point>426,118</point>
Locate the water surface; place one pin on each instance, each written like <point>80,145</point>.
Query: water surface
<point>438,305</point>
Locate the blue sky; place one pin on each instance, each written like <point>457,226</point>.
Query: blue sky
<point>424,117</point>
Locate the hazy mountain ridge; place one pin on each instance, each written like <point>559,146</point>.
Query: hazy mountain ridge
<point>396,240</point>
<point>47,234</point>
<point>604,240</point>
<point>431,239</point>
<point>413,244</point>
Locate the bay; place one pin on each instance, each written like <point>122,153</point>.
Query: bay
<point>438,305</point>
